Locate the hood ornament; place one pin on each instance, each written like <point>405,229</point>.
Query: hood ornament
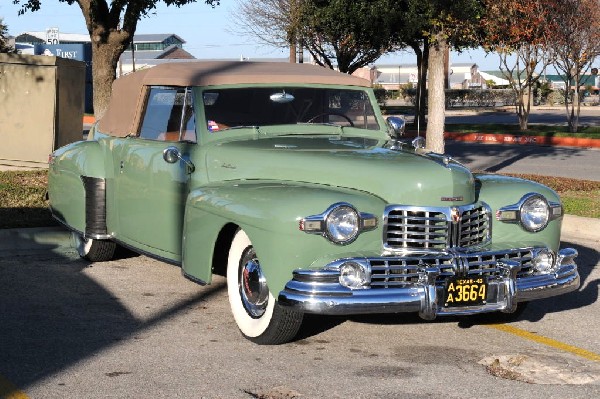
<point>455,215</point>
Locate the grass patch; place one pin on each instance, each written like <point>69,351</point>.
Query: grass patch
<point>586,204</point>
<point>23,203</point>
<point>22,199</point>
<point>579,197</point>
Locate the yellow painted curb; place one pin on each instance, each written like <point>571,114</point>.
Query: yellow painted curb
<point>547,341</point>
<point>9,391</point>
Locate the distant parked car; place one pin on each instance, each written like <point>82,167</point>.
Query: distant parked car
<point>287,179</point>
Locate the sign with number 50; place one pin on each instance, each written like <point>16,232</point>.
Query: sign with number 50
<point>52,36</point>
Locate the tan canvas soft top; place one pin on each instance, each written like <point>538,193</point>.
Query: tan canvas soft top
<point>128,91</point>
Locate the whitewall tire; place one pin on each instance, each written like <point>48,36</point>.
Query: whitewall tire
<point>258,315</point>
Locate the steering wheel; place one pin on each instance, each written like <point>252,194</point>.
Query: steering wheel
<point>311,120</point>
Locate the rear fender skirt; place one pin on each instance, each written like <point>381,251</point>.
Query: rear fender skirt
<point>95,207</point>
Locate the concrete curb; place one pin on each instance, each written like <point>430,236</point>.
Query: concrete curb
<point>58,239</point>
<point>515,139</point>
<point>581,228</point>
<point>496,138</point>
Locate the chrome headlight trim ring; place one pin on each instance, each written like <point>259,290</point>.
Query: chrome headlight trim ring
<point>329,223</point>
<point>534,213</point>
<point>519,212</point>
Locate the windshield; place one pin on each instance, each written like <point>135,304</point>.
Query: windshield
<point>267,106</point>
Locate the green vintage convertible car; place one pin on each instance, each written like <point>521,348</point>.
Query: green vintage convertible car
<point>287,179</point>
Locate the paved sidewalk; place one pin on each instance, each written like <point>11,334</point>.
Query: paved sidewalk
<point>26,240</point>
<point>58,239</point>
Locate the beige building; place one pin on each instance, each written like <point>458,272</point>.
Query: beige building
<point>460,76</point>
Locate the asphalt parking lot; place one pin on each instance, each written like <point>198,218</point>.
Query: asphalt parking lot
<point>134,327</point>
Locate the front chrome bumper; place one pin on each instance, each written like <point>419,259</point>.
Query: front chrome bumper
<point>318,291</point>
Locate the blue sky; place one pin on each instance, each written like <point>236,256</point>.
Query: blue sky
<point>207,31</point>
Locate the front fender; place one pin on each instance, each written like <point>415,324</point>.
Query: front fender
<point>65,187</point>
<point>500,191</point>
<point>269,213</point>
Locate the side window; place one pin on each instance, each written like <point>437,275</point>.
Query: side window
<point>169,115</point>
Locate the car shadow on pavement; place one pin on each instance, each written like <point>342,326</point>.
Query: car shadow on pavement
<point>53,315</point>
<point>586,295</point>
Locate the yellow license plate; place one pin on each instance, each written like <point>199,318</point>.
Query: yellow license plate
<point>465,291</point>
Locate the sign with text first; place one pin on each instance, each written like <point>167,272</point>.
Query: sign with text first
<point>52,36</point>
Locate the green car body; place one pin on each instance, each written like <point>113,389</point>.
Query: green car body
<point>338,217</point>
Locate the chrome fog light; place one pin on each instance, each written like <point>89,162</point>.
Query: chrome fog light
<point>342,224</point>
<point>544,261</point>
<point>353,275</point>
<point>534,213</point>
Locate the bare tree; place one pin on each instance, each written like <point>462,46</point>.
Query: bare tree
<point>576,43</point>
<point>518,31</point>
<point>271,22</point>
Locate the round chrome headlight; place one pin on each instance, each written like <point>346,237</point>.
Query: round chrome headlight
<point>534,213</point>
<point>543,261</point>
<point>342,224</point>
<point>353,275</point>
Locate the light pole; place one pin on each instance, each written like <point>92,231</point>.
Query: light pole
<point>399,81</point>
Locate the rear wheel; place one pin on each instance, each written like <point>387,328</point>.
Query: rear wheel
<point>93,250</point>
<point>258,315</point>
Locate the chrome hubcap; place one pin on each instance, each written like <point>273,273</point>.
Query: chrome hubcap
<point>80,243</point>
<point>253,287</point>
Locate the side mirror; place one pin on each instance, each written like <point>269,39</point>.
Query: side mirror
<point>396,126</point>
<point>172,155</point>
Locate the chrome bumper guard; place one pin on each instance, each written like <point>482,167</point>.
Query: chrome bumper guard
<point>319,291</point>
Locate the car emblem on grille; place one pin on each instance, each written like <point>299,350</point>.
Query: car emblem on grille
<point>455,215</point>
<point>453,199</point>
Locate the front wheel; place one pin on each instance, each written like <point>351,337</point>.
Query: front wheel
<point>258,315</point>
<point>93,250</point>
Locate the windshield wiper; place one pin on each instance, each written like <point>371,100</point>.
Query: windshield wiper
<point>242,127</point>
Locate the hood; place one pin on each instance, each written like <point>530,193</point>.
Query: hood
<point>398,177</point>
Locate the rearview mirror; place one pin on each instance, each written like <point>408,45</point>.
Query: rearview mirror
<point>282,98</point>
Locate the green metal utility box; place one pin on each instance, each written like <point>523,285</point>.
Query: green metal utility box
<point>41,107</point>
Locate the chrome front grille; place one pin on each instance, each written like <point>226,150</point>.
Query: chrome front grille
<point>399,272</point>
<point>427,229</point>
